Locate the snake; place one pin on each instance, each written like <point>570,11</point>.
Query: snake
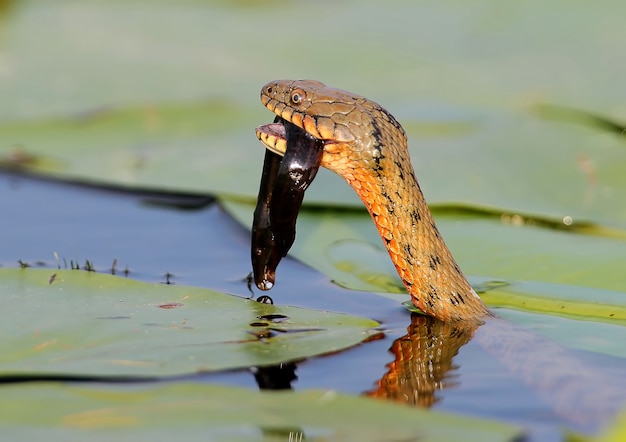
<point>366,146</point>
<point>319,126</point>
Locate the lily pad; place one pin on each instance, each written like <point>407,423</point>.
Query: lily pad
<point>76,322</point>
<point>185,412</point>
<point>346,246</point>
<point>467,96</point>
<point>571,290</point>
<point>137,146</point>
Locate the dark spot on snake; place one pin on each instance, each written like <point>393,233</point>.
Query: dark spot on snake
<point>388,117</point>
<point>461,298</point>
<point>412,172</point>
<point>433,292</point>
<point>408,250</point>
<point>435,230</point>
<point>400,167</point>
<point>378,156</point>
<point>456,298</point>
<point>391,204</point>
<point>415,216</point>
<point>453,299</point>
<point>434,261</point>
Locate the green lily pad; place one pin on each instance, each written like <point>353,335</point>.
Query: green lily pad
<point>75,322</point>
<point>566,286</point>
<point>136,147</point>
<point>346,246</point>
<point>570,332</point>
<point>207,412</point>
<point>561,300</point>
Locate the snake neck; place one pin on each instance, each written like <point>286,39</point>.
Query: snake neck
<point>393,197</point>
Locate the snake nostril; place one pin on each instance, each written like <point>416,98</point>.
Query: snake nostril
<point>270,89</point>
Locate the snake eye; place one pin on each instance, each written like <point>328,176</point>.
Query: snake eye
<point>297,96</point>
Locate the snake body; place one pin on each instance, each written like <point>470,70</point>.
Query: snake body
<point>365,145</point>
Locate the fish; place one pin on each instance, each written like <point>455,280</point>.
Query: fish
<point>284,180</point>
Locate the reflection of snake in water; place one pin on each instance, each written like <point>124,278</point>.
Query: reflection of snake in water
<point>359,140</point>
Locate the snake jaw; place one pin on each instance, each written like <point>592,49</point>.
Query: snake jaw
<point>274,137</point>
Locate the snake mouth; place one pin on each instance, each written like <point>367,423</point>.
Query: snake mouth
<point>274,135</point>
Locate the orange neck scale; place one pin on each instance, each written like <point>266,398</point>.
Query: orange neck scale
<point>366,146</point>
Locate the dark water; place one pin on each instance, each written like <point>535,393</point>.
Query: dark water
<point>198,244</point>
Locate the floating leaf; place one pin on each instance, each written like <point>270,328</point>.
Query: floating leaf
<point>191,147</point>
<point>191,411</point>
<point>84,323</point>
<point>346,246</point>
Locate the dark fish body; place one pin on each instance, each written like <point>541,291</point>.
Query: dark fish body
<point>283,183</point>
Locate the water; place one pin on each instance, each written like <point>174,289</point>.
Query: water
<point>198,244</point>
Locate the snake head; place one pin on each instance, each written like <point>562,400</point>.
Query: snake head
<point>352,128</point>
<point>309,105</point>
